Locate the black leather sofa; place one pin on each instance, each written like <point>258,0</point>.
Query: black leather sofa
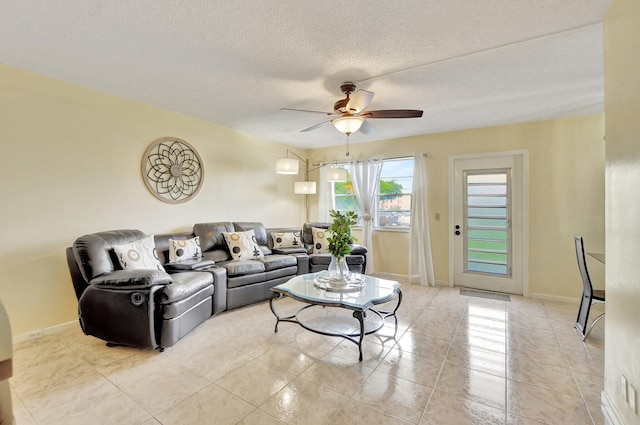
<point>154,308</point>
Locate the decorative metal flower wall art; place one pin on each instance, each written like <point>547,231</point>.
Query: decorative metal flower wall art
<point>172,170</point>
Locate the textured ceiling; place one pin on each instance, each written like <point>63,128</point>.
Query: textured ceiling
<point>466,63</point>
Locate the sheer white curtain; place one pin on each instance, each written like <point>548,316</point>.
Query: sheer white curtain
<point>325,192</point>
<point>364,177</point>
<point>420,258</point>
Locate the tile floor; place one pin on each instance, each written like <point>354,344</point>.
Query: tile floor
<point>451,359</point>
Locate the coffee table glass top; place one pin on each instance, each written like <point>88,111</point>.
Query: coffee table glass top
<point>374,291</point>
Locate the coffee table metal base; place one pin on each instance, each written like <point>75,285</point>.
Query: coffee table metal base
<point>359,314</point>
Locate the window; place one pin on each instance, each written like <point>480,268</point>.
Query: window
<point>343,197</point>
<point>488,222</point>
<point>392,208</point>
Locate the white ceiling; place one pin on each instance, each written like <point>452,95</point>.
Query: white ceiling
<point>466,63</point>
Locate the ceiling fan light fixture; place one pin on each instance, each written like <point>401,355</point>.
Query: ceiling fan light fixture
<point>336,175</point>
<point>348,124</point>
<point>304,188</point>
<point>287,166</point>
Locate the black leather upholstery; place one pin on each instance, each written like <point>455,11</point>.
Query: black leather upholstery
<point>94,252</point>
<point>146,308</point>
<point>248,281</point>
<point>258,228</point>
<point>152,308</point>
<point>132,279</point>
<point>211,235</point>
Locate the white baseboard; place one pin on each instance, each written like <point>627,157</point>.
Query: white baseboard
<point>392,276</point>
<point>42,332</point>
<point>611,416</point>
<point>405,278</point>
<point>557,298</point>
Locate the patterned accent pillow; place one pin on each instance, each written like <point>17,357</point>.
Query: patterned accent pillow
<point>180,250</point>
<point>320,242</point>
<point>286,240</point>
<point>139,255</point>
<point>243,245</point>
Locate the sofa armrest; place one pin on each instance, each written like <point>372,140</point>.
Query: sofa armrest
<point>132,279</point>
<point>219,287</point>
<point>357,249</point>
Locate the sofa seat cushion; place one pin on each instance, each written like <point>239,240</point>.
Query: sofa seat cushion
<point>325,259</point>
<point>278,261</point>
<point>289,251</point>
<point>184,285</point>
<point>246,279</point>
<point>283,272</point>
<point>242,267</point>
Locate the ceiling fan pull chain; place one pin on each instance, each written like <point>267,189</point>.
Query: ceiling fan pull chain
<point>347,153</point>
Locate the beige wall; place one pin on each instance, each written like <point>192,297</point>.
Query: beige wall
<point>71,165</point>
<point>72,159</point>
<point>566,184</point>
<point>622,107</point>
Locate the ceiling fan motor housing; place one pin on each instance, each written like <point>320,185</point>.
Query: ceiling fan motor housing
<point>348,88</point>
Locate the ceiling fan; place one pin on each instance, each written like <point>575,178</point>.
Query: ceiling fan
<point>350,114</point>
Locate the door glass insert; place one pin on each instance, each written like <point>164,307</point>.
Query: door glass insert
<point>487,221</point>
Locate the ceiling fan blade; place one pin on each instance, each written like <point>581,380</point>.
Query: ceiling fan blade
<point>313,127</point>
<point>307,110</point>
<point>359,100</point>
<point>367,128</point>
<point>393,113</point>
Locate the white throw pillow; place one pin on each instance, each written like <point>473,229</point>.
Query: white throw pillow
<point>180,250</point>
<point>286,240</point>
<point>138,255</point>
<point>243,245</point>
<point>320,242</point>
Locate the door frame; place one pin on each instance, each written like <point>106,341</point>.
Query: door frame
<point>524,154</point>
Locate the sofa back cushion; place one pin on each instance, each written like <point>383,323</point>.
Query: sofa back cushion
<point>211,234</point>
<point>94,252</point>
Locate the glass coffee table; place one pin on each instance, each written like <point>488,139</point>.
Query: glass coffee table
<point>309,289</point>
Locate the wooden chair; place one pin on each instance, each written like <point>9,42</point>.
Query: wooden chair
<point>589,295</point>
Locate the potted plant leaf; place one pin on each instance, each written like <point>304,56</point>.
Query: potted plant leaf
<point>340,240</point>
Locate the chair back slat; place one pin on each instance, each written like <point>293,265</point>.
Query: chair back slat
<point>582,265</point>
<point>587,292</point>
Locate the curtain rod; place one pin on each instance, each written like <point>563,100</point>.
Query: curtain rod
<point>320,164</point>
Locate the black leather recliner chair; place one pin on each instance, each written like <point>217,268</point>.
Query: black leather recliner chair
<point>142,308</point>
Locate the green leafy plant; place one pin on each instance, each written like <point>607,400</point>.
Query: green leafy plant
<point>341,232</point>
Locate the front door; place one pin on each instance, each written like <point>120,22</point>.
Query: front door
<point>488,222</point>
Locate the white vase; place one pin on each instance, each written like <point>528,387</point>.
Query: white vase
<point>339,273</point>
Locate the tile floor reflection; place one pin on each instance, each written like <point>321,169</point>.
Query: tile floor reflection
<point>451,359</point>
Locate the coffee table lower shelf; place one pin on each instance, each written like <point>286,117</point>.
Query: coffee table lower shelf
<point>367,326</point>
